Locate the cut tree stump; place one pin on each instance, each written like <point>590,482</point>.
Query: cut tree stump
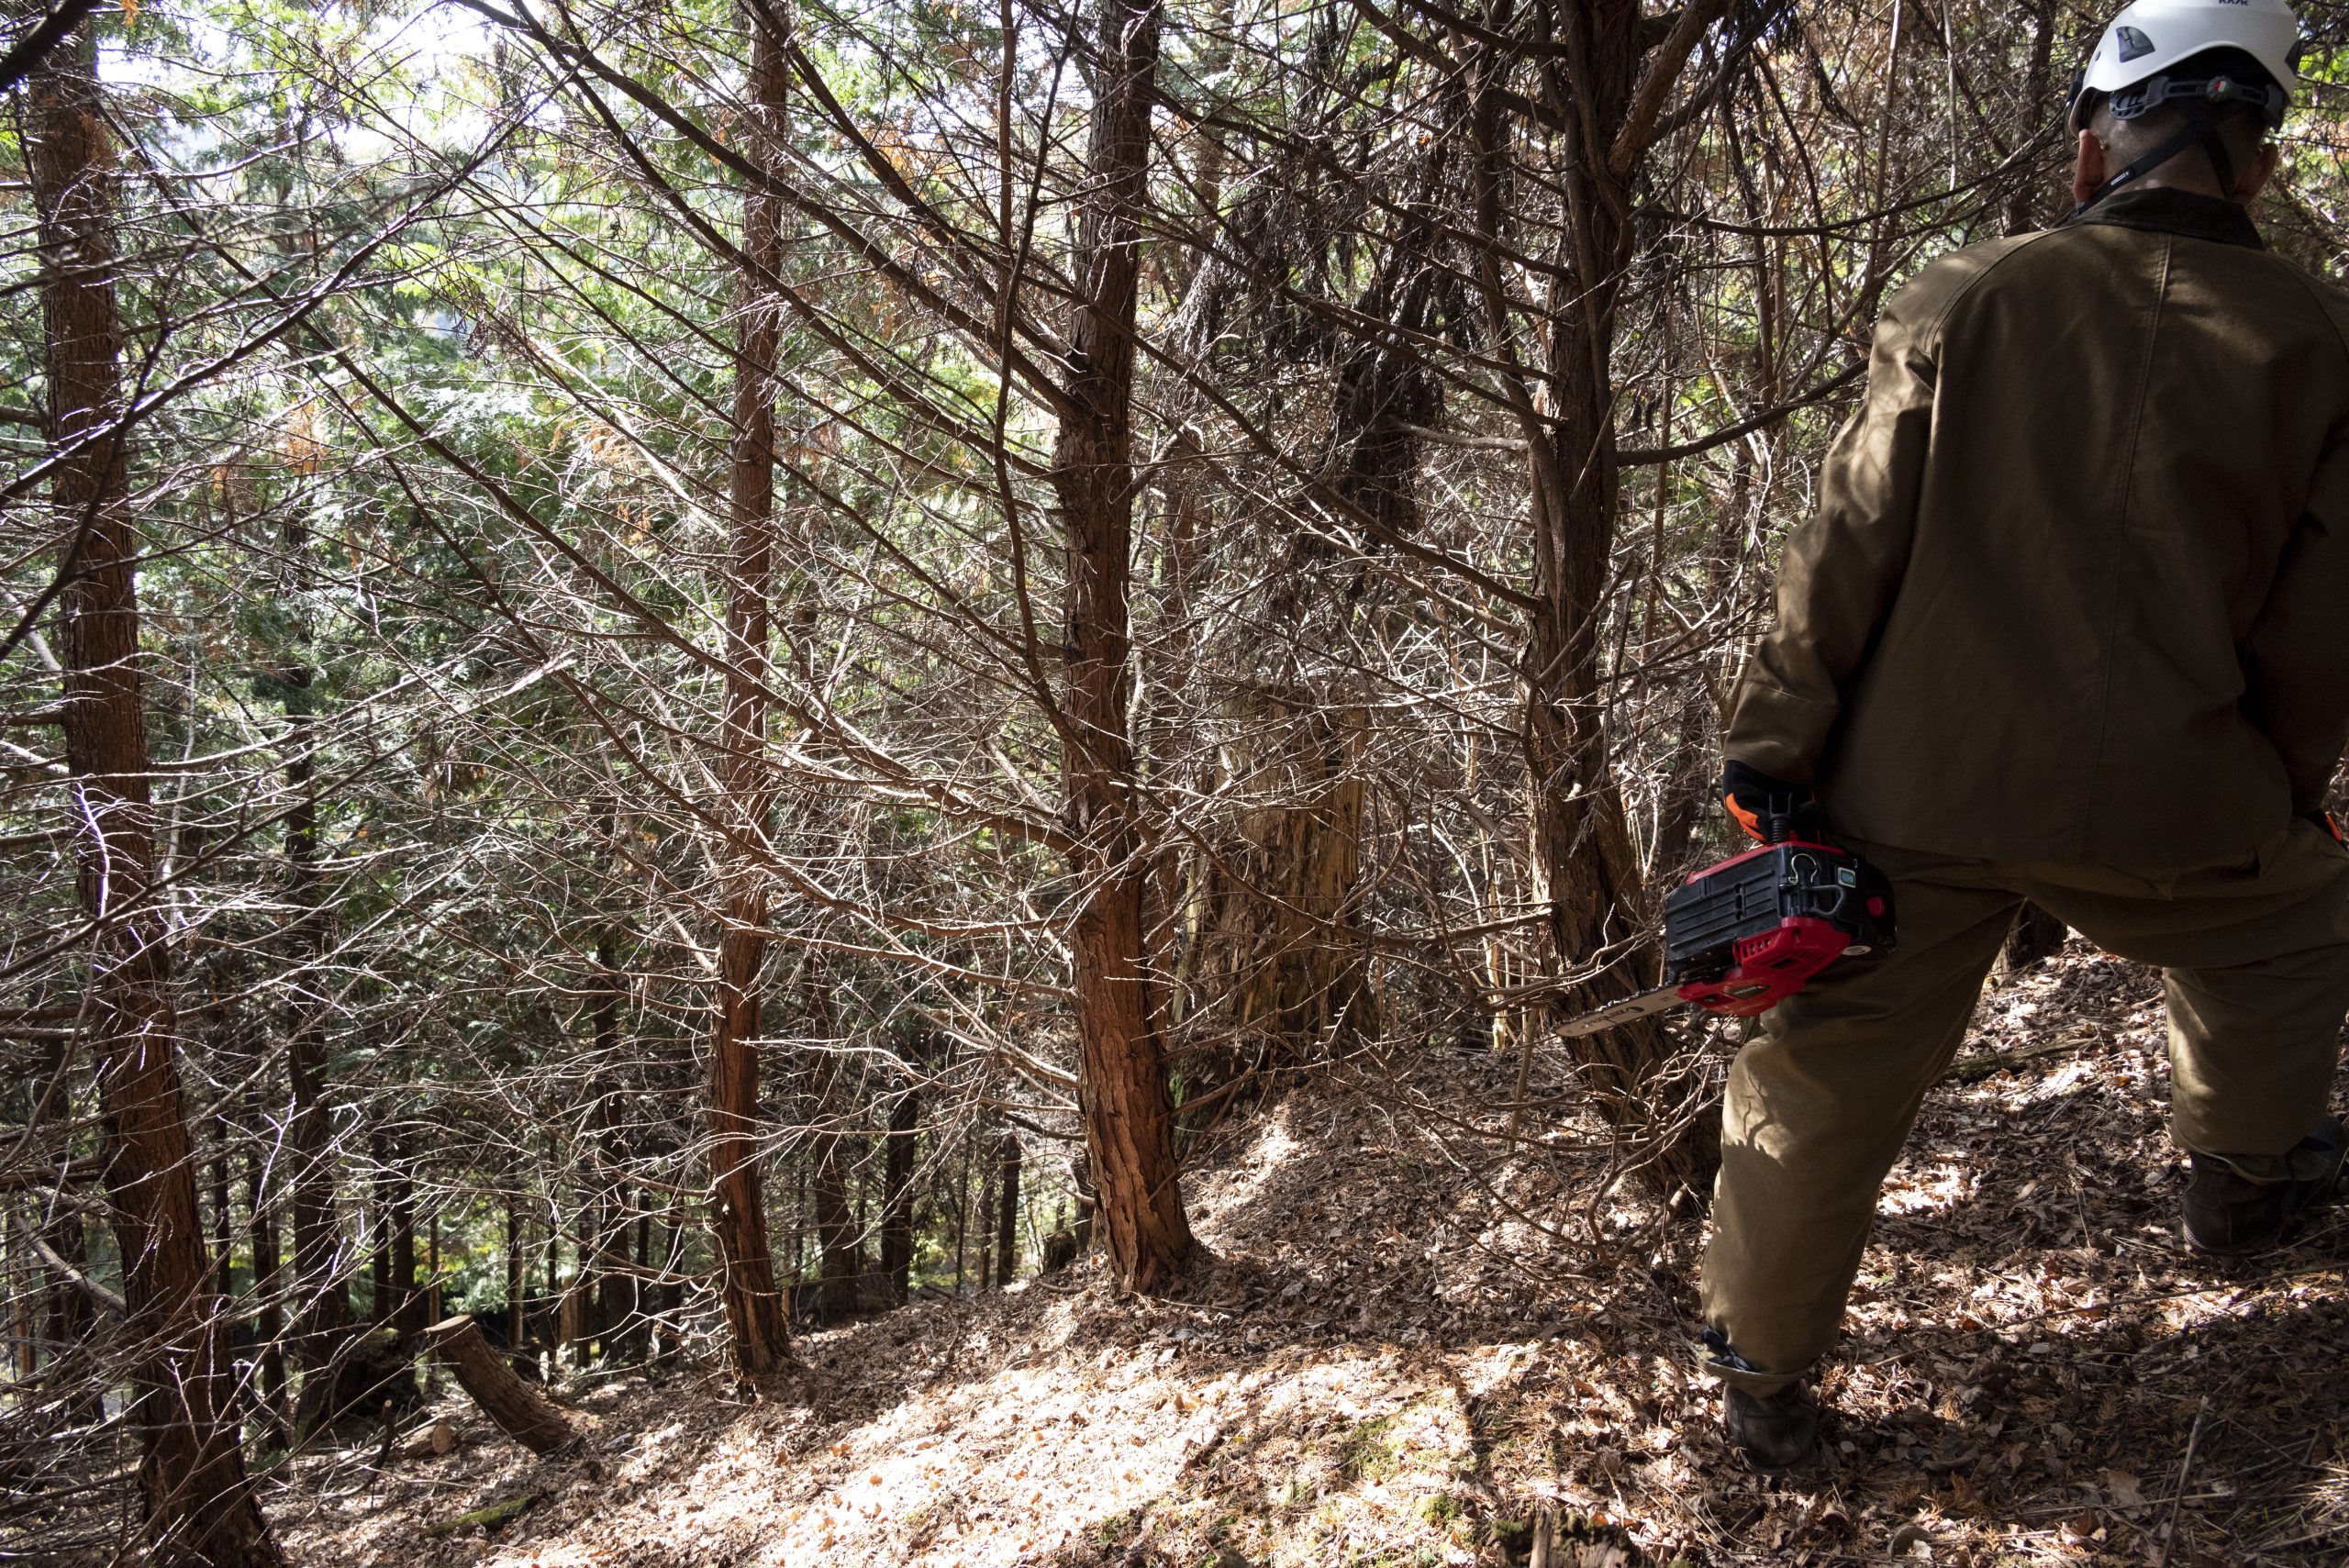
<point>517,1408</point>
<point>2035,937</point>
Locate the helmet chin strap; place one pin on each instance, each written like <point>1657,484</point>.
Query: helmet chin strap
<point>2201,125</point>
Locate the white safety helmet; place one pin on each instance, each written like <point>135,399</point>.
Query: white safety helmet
<point>2154,38</point>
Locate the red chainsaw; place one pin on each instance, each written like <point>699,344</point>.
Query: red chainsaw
<point>1743,935</point>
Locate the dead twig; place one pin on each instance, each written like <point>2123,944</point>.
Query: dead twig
<point>2177,1494</point>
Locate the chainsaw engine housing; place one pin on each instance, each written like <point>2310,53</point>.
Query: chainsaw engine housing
<point>1742,936</point>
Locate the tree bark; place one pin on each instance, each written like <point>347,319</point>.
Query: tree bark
<point>379,1263</point>
<point>1006,1225</point>
<point>223,1233</point>
<point>898,1195</point>
<point>757,1314</point>
<point>318,1327</point>
<point>72,1320</point>
<point>839,1246</point>
<point>17,1281</point>
<point>2023,206</point>
<point>72,1317</point>
<point>1585,873</point>
<point>2035,937</point>
<point>514,1272</point>
<point>1286,929</point>
<point>615,1283</point>
<point>199,1508</point>
<point>1122,1079</point>
<point>408,1315</point>
<point>269,1314</point>
<point>842,1259</point>
<point>633,1335</point>
<point>517,1408</point>
<point>668,1343</point>
<point>319,1338</point>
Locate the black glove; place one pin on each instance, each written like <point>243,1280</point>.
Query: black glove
<point>1755,801</point>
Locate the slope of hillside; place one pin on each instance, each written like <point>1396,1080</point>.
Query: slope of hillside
<point>1413,1352</point>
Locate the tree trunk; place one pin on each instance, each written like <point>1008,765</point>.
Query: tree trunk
<point>517,1408</point>
<point>577,1314</point>
<point>1006,1225</point>
<point>23,1331</point>
<point>409,1313</point>
<point>1121,1074</point>
<point>1284,944</point>
<point>962,1215</point>
<point>269,1314</point>
<point>842,1259</point>
<point>199,1506</point>
<point>514,1276</point>
<point>2035,937</point>
<point>668,1341</point>
<point>839,1237</point>
<point>757,1316</point>
<point>614,1282</point>
<point>2030,113</point>
<point>318,1327</point>
<point>898,1195</point>
<point>223,1233</point>
<point>634,1334</point>
<point>985,1212</point>
<point>1586,874</point>
<point>72,1320</point>
<point>379,1261</point>
<point>551,1298</point>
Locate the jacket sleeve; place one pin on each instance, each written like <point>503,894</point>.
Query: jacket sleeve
<point>2296,658</point>
<point>1844,566</point>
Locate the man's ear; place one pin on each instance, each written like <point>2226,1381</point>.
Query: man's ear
<point>2255,178</point>
<point>2090,170</point>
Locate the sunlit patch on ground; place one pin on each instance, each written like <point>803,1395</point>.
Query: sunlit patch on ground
<point>1415,1351</point>
<point>1924,1192</point>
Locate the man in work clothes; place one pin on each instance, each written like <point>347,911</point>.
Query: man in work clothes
<point>2071,626</point>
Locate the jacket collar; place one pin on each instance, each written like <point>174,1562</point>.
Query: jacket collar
<point>2161,210</point>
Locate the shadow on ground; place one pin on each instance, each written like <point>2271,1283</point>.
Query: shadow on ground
<point>1416,1344</point>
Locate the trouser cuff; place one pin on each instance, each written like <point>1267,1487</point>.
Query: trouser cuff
<point>1725,1364</point>
<point>2300,1163</point>
<point>2263,1169</point>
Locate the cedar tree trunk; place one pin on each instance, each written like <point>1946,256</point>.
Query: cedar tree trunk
<point>319,1282</point>
<point>269,1312</point>
<point>1585,873</point>
<point>897,1196</point>
<point>1121,1074</point>
<point>757,1318</point>
<point>1006,1224</point>
<point>199,1507</point>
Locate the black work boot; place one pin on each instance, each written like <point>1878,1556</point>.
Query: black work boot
<point>2229,1215</point>
<point>1772,1431</point>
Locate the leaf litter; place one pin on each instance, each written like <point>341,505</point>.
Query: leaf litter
<point>1417,1346</point>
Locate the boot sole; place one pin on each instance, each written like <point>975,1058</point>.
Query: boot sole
<point>2201,1248</point>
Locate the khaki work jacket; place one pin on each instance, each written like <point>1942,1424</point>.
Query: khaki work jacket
<point>2077,585</point>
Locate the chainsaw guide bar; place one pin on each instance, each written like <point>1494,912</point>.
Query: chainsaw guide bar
<point>1743,935</point>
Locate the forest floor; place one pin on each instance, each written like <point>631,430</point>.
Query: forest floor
<point>1393,1365</point>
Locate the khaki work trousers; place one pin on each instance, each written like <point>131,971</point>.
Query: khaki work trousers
<point>2256,971</point>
